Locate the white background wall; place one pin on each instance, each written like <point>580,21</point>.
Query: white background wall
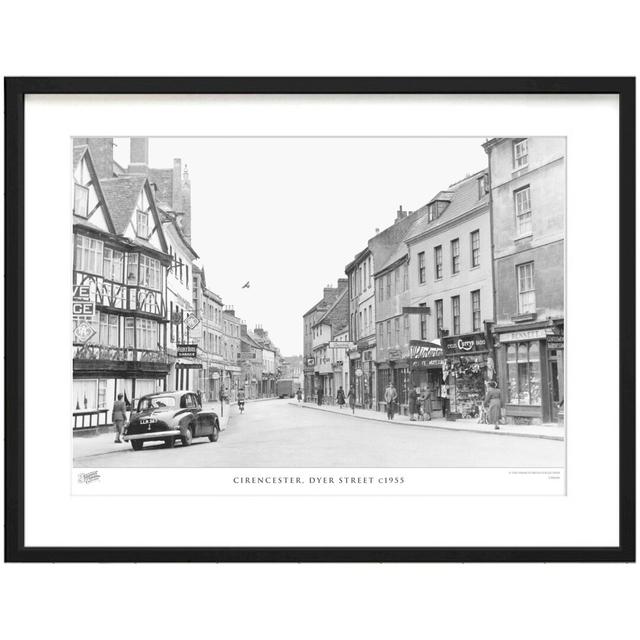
<point>458,601</point>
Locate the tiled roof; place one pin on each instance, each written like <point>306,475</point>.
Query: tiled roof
<point>465,198</point>
<point>121,195</point>
<point>163,179</point>
<point>78,152</point>
<point>326,317</point>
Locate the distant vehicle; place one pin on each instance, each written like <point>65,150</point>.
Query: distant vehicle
<point>170,416</point>
<point>286,388</point>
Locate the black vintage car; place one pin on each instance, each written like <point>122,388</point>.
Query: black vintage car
<point>170,416</point>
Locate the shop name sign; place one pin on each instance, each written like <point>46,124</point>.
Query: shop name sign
<point>423,349</point>
<point>533,334</point>
<point>471,343</point>
<point>83,303</point>
<point>187,350</point>
<point>341,344</point>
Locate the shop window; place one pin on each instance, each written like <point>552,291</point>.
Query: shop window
<point>85,395</point>
<point>102,394</point>
<point>523,372</point>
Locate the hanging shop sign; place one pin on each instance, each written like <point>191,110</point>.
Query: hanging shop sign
<point>341,344</point>
<point>187,350</point>
<point>84,332</point>
<point>555,342</point>
<point>247,355</point>
<point>192,321</point>
<point>424,349</point>
<point>310,362</point>
<point>463,345</point>
<point>188,365</point>
<point>358,373</point>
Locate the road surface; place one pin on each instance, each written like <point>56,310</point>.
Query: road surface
<point>275,433</point>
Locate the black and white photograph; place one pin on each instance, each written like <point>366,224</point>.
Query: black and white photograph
<point>318,302</point>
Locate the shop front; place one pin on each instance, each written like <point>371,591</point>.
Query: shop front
<point>397,370</point>
<point>426,363</point>
<point>531,372</point>
<point>468,367</point>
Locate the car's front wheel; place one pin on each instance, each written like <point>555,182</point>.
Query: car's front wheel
<point>187,438</point>
<point>137,444</point>
<point>213,437</point>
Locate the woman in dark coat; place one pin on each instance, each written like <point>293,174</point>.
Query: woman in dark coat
<point>493,403</point>
<point>340,398</point>
<point>413,404</point>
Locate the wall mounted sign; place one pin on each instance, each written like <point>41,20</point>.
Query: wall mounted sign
<point>461,345</point>
<point>187,350</point>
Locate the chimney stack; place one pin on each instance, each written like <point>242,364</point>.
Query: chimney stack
<point>401,214</point>
<point>139,155</point>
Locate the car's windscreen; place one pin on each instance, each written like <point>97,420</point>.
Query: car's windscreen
<point>156,403</point>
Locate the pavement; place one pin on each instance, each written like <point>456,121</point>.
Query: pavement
<point>280,433</point>
<point>551,431</point>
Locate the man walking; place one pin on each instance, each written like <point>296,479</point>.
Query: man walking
<point>390,397</point>
<point>119,416</point>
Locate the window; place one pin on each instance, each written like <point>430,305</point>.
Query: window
<point>370,320</point>
<point>475,310</point>
<point>423,322</point>
<point>439,316</point>
<point>437,253</point>
<point>80,200</point>
<point>108,330</point>
<point>520,154</point>
<point>364,276</point>
<point>405,277</point>
<point>112,264</point>
<point>483,186</point>
<point>388,283</point>
<point>522,200</point>
<point>370,274</point>
<point>128,332</point>
<point>381,334</point>
<point>526,288</point>
<point>132,268</point>
<point>88,255</point>
<point>389,333</point>
<point>475,248</point>
<point>455,256</point>
<point>149,275</point>
<point>432,211</point>
<point>359,323</point>
<point>102,394</point>
<point>455,314</point>
<point>397,281</point>
<point>422,271</point>
<point>380,290</point>
<point>523,373</point>
<point>142,227</point>
<point>406,327</point>
<point>397,330</point>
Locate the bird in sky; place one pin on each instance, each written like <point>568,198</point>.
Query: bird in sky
<point>245,285</point>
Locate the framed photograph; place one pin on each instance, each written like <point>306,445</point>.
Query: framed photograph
<point>320,319</point>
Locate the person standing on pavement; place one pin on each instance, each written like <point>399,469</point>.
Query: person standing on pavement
<point>340,398</point>
<point>119,416</point>
<point>444,396</point>
<point>352,398</point>
<point>390,397</point>
<point>299,395</point>
<point>493,403</point>
<point>425,402</point>
<point>413,404</point>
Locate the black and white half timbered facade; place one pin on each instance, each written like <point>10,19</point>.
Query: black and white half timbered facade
<point>120,263</point>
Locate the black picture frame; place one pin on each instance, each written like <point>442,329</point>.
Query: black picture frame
<point>15,91</point>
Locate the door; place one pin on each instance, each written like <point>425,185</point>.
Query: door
<point>554,388</point>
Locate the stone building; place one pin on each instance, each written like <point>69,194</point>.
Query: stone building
<point>528,200</point>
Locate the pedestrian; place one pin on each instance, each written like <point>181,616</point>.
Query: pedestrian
<point>340,398</point>
<point>444,397</point>
<point>299,395</point>
<point>493,403</point>
<point>199,394</point>
<point>413,404</point>
<point>320,394</point>
<point>426,408</point>
<point>352,398</point>
<point>390,397</point>
<point>119,416</point>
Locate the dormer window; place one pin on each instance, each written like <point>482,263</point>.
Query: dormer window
<point>433,211</point>
<point>81,201</point>
<point>142,222</point>
<point>520,154</point>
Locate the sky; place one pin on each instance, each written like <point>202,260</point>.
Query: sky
<point>288,214</point>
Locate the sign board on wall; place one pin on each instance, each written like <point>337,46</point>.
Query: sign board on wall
<point>555,342</point>
<point>341,344</point>
<point>532,334</point>
<point>461,345</point>
<point>187,350</point>
<point>83,305</point>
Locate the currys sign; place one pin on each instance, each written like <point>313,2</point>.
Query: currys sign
<point>460,345</point>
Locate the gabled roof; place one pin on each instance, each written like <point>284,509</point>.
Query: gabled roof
<point>170,221</point>
<point>121,194</point>
<point>327,316</point>
<point>465,199</point>
<point>78,152</point>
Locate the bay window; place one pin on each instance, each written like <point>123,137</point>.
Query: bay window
<point>88,255</point>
